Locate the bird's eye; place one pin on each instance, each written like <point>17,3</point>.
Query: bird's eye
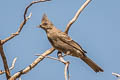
<point>45,24</point>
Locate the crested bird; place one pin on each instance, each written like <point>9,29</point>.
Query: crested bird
<point>64,43</point>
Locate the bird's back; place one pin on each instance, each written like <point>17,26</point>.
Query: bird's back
<point>62,42</point>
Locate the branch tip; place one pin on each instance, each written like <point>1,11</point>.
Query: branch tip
<point>116,74</point>
<point>29,15</point>
<point>13,63</point>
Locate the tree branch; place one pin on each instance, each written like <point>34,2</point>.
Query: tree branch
<point>60,58</point>
<point>13,63</point>
<point>76,15</point>
<point>116,74</point>
<point>31,66</point>
<point>66,71</point>
<point>24,22</point>
<point>19,30</point>
<point>7,71</point>
<point>33,2</point>
<point>50,57</point>
<point>12,66</point>
<point>40,58</point>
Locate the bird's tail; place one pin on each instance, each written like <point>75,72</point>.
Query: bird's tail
<point>92,64</point>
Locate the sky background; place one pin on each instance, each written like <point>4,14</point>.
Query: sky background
<point>97,30</point>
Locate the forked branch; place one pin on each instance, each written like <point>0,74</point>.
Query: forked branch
<point>19,30</point>
<point>33,2</point>
<point>61,59</point>
<point>31,66</point>
<point>24,21</point>
<point>40,58</point>
<point>12,66</point>
<point>7,71</point>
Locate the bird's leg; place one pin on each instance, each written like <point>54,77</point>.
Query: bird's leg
<point>59,54</point>
<point>60,57</point>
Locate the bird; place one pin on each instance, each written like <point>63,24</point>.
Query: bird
<point>64,43</point>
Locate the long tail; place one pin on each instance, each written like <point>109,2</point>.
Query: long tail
<point>93,65</point>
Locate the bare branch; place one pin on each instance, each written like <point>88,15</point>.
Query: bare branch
<point>17,33</point>
<point>12,66</point>
<point>7,71</point>
<point>116,74</point>
<point>76,15</point>
<point>33,2</point>
<point>41,57</point>
<point>13,63</point>
<point>50,57</point>
<point>60,58</point>
<point>24,22</point>
<point>31,66</point>
<point>66,70</point>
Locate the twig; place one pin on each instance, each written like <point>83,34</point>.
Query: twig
<point>116,74</point>
<point>40,58</point>
<point>33,2</point>
<point>19,30</point>
<point>12,36</point>
<point>50,57</point>
<point>31,66</point>
<point>76,15</point>
<point>12,66</point>
<point>60,58</point>
<point>24,22</point>
<point>13,63</point>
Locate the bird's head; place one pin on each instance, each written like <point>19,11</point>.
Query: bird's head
<point>45,23</point>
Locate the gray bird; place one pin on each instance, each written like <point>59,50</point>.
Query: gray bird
<point>63,43</point>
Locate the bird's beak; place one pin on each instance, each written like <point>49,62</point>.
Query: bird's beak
<point>39,26</point>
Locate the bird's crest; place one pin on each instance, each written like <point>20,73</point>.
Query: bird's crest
<point>45,19</point>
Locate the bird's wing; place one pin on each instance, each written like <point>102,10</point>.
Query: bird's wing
<point>66,39</point>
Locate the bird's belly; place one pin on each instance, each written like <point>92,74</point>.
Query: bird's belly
<point>66,49</point>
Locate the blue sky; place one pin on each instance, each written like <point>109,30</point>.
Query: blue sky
<point>97,30</point>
